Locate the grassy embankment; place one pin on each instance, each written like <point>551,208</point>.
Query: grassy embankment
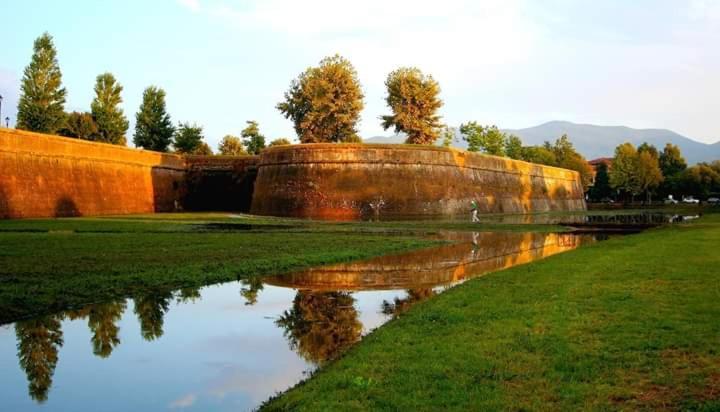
<point>56,264</point>
<point>630,323</point>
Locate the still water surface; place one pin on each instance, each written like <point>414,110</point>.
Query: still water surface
<point>233,345</point>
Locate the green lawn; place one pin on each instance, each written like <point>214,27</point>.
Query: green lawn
<point>630,323</point>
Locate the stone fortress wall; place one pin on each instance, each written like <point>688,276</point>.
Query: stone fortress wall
<point>51,176</point>
<point>353,181</point>
<point>46,176</point>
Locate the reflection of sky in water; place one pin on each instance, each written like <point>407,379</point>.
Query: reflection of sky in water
<point>215,352</point>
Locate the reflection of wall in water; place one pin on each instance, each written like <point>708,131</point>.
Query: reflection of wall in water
<point>434,266</point>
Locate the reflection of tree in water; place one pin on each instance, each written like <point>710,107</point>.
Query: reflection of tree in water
<point>102,321</point>
<point>38,343</point>
<point>186,295</point>
<point>401,305</point>
<point>250,289</point>
<point>321,325</point>
<point>150,310</point>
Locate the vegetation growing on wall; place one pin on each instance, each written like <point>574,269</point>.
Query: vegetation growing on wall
<point>280,142</point>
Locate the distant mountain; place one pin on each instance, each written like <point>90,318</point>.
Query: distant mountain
<point>598,141</point>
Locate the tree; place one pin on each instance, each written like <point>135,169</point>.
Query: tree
<point>563,149</point>
<point>671,160</point>
<point>204,149</point>
<point>41,107</point>
<point>647,147</point>
<point>488,139</point>
<point>231,146</point>
<point>253,140</point>
<point>601,188</point>
<point>413,98</point>
<point>448,135</point>
<point>513,147</point>
<point>111,121</point>
<point>153,128</point>
<point>80,126</point>
<point>578,163</point>
<point>700,180</point>
<point>280,142</point>
<point>188,138</point>
<point>539,154</point>
<point>648,172</point>
<point>568,158</point>
<point>624,172</point>
<point>324,102</point>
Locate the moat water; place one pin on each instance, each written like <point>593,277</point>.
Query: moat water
<point>233,345</point>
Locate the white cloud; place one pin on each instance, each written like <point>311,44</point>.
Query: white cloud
<point>192,5</point>
<point>184,402</point>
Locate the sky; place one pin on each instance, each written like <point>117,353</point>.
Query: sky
<point>513,63</point>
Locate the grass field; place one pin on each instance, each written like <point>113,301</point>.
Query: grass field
<point>48,265</point>
<point>630,323</point>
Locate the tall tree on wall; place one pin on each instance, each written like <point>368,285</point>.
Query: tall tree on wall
<point>513,147</point>
<point>253,140</point>
<point>413,98</point>
<point>231,146</point>
<point>110,119</point>
<point>188,138</point>
<point>80,126</point>
<point>41,107</point>
<point>153,128</point>
<point>488,139</point>
<point>324,102</point>
<point>567,157</point>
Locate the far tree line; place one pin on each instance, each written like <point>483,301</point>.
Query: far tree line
<point>646,171</point>
<point>324,104</point>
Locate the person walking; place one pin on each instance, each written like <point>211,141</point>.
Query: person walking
<point>474,211</point>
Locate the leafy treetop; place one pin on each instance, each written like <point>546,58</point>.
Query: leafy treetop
<point>112,123</point>
<point>253,140</point>
<point>42,100</point>
<point>324,102</point>
<point>153,128</point>
<point>413,98</point>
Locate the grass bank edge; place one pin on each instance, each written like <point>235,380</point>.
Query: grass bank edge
<point>334,386</point>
